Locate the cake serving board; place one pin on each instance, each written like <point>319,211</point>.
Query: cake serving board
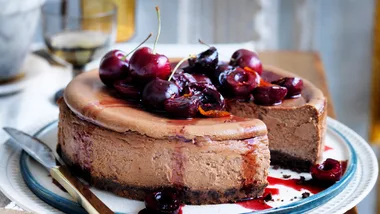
<point>28,184</point>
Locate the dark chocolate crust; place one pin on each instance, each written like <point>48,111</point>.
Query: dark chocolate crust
<point>187,195</point>
<point>289,162</point>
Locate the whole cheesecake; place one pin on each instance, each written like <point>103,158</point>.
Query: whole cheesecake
<point>118,146</point>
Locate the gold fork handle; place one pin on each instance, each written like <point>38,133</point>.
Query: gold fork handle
<point>78,191</point>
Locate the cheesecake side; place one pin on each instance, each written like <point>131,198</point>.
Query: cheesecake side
<point>130,164</point>
<point>296,128</point>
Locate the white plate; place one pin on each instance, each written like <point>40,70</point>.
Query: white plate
<point>363,180</point>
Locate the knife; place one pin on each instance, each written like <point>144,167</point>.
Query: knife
<point>43,154</point>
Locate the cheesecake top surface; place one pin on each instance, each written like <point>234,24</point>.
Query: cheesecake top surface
<point>91,100</point>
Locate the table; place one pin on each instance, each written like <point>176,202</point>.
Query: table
<point>307,65</point>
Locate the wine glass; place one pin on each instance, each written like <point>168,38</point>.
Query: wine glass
<point>77,33</point>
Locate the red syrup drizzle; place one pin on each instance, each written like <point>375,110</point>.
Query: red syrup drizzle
<point>327,148</point>
<point>259,203</point>
<point>297,184</point>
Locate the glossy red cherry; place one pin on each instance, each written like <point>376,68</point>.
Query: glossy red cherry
<point>241,82</point>
<point>157,91</point>
<point>204,63</point>
<point>112,67</point>
<point>126,89</point>
<point>162,202</point>
<point>329,171</point>
<point>146,66</point>
<point>293,84</point>
<point>183,107</point>
<point>269,94</point>
<point>245,58</point>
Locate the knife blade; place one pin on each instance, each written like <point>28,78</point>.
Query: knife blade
<point>44,155</point>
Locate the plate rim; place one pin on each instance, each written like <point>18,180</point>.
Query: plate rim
<point>65,204</point>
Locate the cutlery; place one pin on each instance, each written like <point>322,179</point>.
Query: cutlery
<point>44,155</point>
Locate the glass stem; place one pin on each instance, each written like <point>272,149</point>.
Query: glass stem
<point>77,70</point>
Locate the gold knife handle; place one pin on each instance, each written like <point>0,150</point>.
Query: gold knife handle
<point>78,191</point>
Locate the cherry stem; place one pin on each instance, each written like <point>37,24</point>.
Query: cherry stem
<point>203,43</point>
<point>125,57</point>
<point>179,64</point>
<point>158,30</point>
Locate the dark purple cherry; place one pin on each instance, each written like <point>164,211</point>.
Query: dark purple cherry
<point>211,100</point>
<point>245,58</point>
<point>126,89</point>
<point>112,67</point>
<point>157,91</point>
<point>163,202</point>
<point>183,107</point>
<point>182,80</point>
<point>189,83</point>
<point>329,171</point>
<point>220,74</point>
<point>293,84</point>
<point>205,62</point>
<point>241,82</point>
<point>269,94</point>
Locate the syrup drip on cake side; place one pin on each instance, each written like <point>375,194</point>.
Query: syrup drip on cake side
<point>249,160</point>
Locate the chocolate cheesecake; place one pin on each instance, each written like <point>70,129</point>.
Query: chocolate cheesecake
<point>118,146</point>
<point>207,132</point>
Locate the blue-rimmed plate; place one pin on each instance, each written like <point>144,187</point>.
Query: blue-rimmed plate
<point>344,144</point>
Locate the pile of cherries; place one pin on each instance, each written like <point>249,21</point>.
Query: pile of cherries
<point>197,89</point>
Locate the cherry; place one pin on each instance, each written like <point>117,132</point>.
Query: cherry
<point>269,94</point>
<point>330,171</point>
<point>204,63</point>
<point>241,82</point>
<point>146,64</point>
<point>245,58</point>
<point>157,91</point>
<point>162,202</point>
<point>220,74</point>
<point>188,83</point>
<point>293,84</point>
<point>185,106</point>
<point>113,67</point>
<point>211,99</point>
<point>182,80</point>
<point>126,89</point>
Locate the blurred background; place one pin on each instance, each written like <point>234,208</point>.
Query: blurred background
<point>342,32</point>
